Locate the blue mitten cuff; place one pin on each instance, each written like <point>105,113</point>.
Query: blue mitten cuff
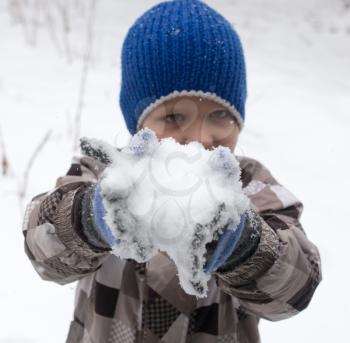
<point>99,214</point>
<point>225,246</point>
<point>94,228</point>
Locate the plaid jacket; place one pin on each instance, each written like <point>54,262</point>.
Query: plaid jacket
<point>123,301</point>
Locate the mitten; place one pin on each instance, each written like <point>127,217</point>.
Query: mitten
<point>225,245</point>
<point>94,227</point>
<point>113,222</point>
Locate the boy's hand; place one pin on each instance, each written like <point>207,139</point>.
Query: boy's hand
<point>115,222</point>
<point>226,227</point>
<point>225,245</point>
<point>149,209</point>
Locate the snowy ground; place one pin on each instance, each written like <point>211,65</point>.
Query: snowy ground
<point>299,86</point>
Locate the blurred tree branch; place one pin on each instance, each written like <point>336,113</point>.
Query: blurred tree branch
<point>84,74</point>
<point>55,16</point>
<point>22,190</point>
<point>5,166</point>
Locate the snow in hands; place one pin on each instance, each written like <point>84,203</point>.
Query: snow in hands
<point>160,195</point>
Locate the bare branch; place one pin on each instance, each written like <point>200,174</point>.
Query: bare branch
<point>17,12</point>
<point>22,191</point>
<point>15,9</point>
<point>346,4</point>
<point>84,74</point>
<point>52,27</point>
<point>5,166</point>
<point>34,22</point>
<point>64,12</point>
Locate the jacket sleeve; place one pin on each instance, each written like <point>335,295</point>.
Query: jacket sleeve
<point>277,280</point>
<point>54,240</point>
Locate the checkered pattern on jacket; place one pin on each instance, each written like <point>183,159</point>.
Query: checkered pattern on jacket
<point>122,301</point>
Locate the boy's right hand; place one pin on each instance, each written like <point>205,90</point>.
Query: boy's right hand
<point>112,218</point>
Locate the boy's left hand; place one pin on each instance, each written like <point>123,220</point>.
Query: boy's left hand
<point>225,246</point>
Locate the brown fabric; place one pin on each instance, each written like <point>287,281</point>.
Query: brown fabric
<point>123,301</point>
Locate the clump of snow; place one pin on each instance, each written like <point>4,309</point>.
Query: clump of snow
<point>164,196</point>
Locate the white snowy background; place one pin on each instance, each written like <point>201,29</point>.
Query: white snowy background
<point>297,118</point>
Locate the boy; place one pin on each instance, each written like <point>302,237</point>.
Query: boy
<point>183,76</point>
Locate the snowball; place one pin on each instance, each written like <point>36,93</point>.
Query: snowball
<point>164,196</point>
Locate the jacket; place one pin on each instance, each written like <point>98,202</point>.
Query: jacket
<point>124,301</point>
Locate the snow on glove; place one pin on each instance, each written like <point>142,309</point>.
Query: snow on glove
<point>164,196</point>
<point>107,154</point>
<point>226,225</point>
<point>115,222</point>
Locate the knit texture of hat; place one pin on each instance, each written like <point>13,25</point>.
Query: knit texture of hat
<point>181,47</point>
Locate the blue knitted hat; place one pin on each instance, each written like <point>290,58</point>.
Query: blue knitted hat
<point>181,47</point>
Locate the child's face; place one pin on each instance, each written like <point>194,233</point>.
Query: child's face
<point>191,118</point>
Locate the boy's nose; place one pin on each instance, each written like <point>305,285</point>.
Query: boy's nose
<point>198,133</point>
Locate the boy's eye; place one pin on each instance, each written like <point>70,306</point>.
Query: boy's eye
<point>174,118</point>
<point>219,114</point>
